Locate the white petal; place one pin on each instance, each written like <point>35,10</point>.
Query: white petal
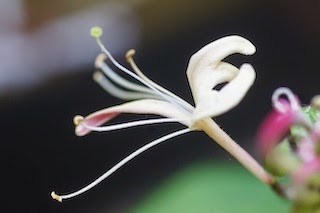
<point>206,70</point>
<point>219,102</point>
<point>216,51</point>
<point>146,106</point>
<point>223,72</point>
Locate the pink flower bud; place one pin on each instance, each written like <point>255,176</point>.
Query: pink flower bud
<point>275,127</point>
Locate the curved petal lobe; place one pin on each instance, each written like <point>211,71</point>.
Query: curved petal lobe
<point>206,70</point>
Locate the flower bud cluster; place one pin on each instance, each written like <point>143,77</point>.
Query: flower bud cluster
<point>289,141</point>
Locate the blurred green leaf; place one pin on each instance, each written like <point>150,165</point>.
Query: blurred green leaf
<point>209,187</point>
<point>312,112</point>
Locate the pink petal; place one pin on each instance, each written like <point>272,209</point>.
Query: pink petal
<point>274,128</point>
<point>96,120</point>
<point>306,171</point>
<point>307,150</point>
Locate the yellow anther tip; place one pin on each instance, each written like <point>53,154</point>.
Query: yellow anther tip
<point>77,119</point>
<point>316,101</point>
<point>96,32</point>
<point>130,54</point>
<point>97,76</point>
<point>56,197</point>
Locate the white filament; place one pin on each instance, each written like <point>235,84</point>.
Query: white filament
<point>157,86</point>
<point>166,97</point>
<point>120,164</point>
<point>129,124</point>
<point>121,93</point>
<point>121,81</point>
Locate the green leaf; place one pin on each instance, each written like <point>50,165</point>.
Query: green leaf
<point>209,187</point>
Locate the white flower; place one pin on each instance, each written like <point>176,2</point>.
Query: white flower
<point>205,71</point>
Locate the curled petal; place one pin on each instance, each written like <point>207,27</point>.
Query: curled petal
<point>206,70</point>
<point>224,72</point>
<point>146,106</point>
<point>214,103</point>
<point>216,51</point>
<point>209,57</point>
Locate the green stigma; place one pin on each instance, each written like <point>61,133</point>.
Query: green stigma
<point>96,32</point>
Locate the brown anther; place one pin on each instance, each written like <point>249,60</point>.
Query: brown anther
<point>97,76</point>
<point>130,54</point>
<point>56,197</point>
<point>99,60</point>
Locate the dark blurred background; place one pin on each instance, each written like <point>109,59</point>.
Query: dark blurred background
<point>46,68</point>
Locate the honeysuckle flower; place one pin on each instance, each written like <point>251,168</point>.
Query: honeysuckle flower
<point>205,71</point>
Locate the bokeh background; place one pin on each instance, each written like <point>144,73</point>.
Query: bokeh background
<point>46,65</point>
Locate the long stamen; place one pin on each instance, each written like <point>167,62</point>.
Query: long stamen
<point>119,165</point>
<point>96,32</point>
<point>129,124</point>
<point>118,92</point>
<point>99,63</point>
<point>137,70</point>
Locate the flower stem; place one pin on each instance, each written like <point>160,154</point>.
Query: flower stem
<point>213,130</point>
